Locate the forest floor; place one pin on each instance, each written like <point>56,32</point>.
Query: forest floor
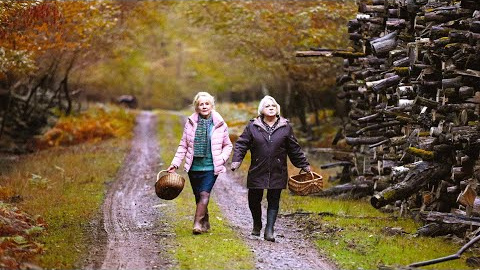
<point>130,233</point>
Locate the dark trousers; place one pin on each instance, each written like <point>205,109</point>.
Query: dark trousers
<point>255,197</point>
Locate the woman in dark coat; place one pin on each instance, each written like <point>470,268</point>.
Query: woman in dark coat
<point>270,138</point>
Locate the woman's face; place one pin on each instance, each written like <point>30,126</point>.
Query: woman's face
<point>204,106</point>
<point>269,108</point>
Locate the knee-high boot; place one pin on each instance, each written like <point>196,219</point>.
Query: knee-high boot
<point>206,222</point>
<point>271,218</point>
<point>199,215</point>
<point>257,219</point>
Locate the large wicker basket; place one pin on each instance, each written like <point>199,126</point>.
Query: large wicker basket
<point>169,186</point>
<point>305,183</point>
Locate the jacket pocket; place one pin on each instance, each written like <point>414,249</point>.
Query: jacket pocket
<point>279,167</point>
<point>257,164</point>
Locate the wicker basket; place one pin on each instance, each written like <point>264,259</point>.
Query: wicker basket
<point>305,183</point>
<point>169,186</point>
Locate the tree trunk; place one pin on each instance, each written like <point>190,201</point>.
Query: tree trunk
<point>6,112</point>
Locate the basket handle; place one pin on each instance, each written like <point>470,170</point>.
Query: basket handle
<point>158,174</point>
<point>311,173</point>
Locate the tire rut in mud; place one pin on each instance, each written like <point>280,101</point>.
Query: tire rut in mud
<point>132,236</point>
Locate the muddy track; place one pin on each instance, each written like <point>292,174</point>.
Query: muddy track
<point>132,237</point>
<point>133,232</point>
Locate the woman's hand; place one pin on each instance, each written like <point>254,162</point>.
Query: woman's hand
<point>171,169</point>
<point>235,165</point>
<point>307,168</point>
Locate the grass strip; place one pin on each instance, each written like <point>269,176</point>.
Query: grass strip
<point>221,248</point>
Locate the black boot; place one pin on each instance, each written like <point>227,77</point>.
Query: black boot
<point>271,218</point>
<point>257,220</point>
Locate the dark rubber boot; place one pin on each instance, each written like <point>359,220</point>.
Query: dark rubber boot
<point>271,218</point>
<point>257,220</point>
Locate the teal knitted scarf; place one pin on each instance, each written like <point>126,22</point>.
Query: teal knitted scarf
<point>201,137</point>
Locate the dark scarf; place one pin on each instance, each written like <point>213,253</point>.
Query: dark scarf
<point>200,143</point>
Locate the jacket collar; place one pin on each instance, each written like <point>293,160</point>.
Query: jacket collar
<point>216,117</point>
<point>258,122</point>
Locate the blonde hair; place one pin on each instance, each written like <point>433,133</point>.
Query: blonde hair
<point>261,106</point>
<point>202,94</point>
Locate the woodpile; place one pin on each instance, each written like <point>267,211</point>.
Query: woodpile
<point>411,84</point>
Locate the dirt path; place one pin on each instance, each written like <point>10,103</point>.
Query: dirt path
<point>132,232</point>
<point>290,250</point>
<point>132,237</point>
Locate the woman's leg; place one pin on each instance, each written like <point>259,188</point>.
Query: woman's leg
<point>195,182</point>
<point>255,204</point>
<point>202,184</point>
<point>273,198</point>
<point>207,186</point>
<point>201,212</point>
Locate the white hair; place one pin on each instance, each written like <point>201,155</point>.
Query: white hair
<point>261,106</point>
<point>202,94</point>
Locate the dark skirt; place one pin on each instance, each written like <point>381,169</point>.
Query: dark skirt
<point>202,181</point>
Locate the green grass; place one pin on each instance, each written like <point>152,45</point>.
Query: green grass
<point>352,233</point>
<point>221,248</point>
<point>363,245</point>
<point>66,187</point>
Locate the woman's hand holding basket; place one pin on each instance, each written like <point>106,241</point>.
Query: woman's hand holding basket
<point>171,169</point>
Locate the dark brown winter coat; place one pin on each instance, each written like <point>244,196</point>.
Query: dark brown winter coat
<point>268,168</point>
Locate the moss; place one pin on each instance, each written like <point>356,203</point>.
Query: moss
<point>402,71</point>
<point>424,154</point>
<point>389,194</point>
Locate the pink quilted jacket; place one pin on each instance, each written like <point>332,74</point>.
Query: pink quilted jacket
<point>221,144</point>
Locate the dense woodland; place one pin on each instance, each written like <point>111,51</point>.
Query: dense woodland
<point>409,70</point>
<point>56,55</point>
<point>402,75</point>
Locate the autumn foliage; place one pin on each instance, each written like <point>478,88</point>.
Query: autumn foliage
<point>89,126</point>
<point>17,237</point>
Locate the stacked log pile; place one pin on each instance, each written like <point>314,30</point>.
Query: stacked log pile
<point>412,88</point>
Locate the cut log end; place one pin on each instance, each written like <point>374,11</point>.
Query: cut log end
<point>377,201</point>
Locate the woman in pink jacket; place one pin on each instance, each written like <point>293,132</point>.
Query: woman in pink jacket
<point>205,146</point>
